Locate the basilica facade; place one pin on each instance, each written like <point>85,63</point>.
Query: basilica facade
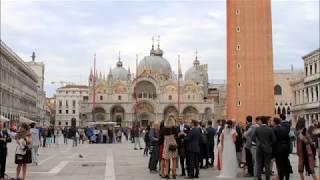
<point>154,93</point>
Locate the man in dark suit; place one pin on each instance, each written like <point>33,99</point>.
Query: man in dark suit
<point>265,138</point>
<point>182,131</point>
<point>281,150</point>
<point>211,133</point>
<point>4,139</point>
<point>193,146</point>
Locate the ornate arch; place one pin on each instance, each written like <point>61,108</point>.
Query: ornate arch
<point>190,112</point>
<point>99,113</point>
<point>117,114</point>
<point>170,110</point>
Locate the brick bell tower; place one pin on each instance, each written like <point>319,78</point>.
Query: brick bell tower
<point>249,59</point>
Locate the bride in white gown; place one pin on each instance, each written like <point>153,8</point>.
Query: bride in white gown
<point>229,168</point>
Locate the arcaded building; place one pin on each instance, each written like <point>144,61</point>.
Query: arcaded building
<point>306,90</point>
<point>18,86</point>
<point>152,94</point>
<point>249,59</point>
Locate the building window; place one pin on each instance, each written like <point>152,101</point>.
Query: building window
<point>60,111</point>
<point>238,29</point>
<point>277,90</point>
<point>67,103</point>
<point>73,103</point>
<point>239,84</point>
<point>310,66</point>
<point>170,97</point>
<point>85,98</point>
<point>67,92</point>
<point>239,103</point>
<point>67,111</point>
<point>238,46</point>
<point>60,103</point>
<point>315,68</point>
<point>73,111</point>
<point>238,12</point>
<point>238,65</point>
<point>306,71</point>
<point>101,98</point>
<point>188,96</point>
<point>119,98</point>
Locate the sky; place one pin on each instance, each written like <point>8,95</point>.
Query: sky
<point>65,34</point>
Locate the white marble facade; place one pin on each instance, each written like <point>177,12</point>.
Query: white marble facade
<point>151,95</point>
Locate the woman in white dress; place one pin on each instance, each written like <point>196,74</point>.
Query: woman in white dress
<point>229,167</point>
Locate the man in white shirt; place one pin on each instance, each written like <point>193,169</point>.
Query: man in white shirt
<point>35,143</point>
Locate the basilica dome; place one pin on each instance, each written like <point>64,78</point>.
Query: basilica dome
<point>155,63</point>
<point>194,73</point>
<point>119,73</point>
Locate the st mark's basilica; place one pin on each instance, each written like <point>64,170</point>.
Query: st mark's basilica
<point>151,95</point>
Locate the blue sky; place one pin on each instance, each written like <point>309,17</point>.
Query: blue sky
<point>66,33</point>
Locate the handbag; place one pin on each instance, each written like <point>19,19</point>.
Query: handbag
<point>28,156</point>
<point>172,147</point>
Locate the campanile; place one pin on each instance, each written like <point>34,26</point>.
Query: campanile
<point>249,59</point>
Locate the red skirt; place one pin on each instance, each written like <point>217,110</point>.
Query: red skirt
<point>161,152</point>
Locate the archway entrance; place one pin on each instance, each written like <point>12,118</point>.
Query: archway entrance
<point>99,114</point>
<point>117,114</point>
<point>144,114</point>
<point>190,113</point>
<point>170,110</point>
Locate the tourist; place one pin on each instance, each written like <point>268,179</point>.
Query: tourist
<point>281,150</point>
<point>170,146</point>
<point>304,150</point>
<point>65,135</point>
<point>154,146</point>
<point>4,139</point>
<point>211,133</point>
<point>264,137</point>
<point>35,143</point>
<point>119,135</point>
<point>110,136</point>
<point>229,168</point>
<point>161,143</point>
<point>49,138</point>
<point>316,132</point>
<point>193,145</point>
<point>136,136</point>
<point>182,131</point>
<point>203,146</point>
<point>58,135</point>
<point>239,142</point>
<point>146,141</point>
<point>23,152</point>
<point>220,129</point>
<point>251,147</point>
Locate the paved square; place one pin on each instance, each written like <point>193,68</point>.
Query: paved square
<point>99,162</point>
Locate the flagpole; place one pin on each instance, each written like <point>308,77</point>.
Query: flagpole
<point>136,90</point>
<point>94,87</point>
<point>179,85</point>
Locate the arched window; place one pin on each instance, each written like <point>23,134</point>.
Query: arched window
<point>284,110</point>
<point>288,110</point>
<point>279,110</point>
<point>277,90</point>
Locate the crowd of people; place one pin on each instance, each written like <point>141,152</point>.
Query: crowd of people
<point>252,149</point>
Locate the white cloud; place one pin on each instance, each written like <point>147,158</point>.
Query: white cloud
<point>66,35</point>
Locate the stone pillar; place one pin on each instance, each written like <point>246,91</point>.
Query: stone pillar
<point>314,94</point>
